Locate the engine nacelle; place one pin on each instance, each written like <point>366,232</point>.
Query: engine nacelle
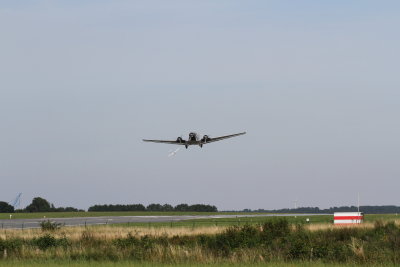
<point>205,139</point>
<point>180,140</point>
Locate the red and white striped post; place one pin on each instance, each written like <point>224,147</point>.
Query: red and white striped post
<point>348,218</point>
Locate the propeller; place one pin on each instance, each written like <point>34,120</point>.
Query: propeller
<point>205,138</point>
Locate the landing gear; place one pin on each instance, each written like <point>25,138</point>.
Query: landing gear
<point>186,146</point>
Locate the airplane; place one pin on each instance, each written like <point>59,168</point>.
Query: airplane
<point>194,139</point>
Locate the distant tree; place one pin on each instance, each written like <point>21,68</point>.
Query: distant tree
<point>5,207</point>
<point>167,207</point>
<point>131,207</point>
<point>181,207</point>
<point>62,209</point>
<point>202,208</point>
<point>38,205</point>
<point>70,209</point>
<point>366,209</point>
<point>154,207</point>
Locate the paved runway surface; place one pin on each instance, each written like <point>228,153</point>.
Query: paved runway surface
<point>76,221</point>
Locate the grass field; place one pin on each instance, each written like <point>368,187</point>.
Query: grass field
<point>40,215</point>
<point>272,242</point>
<point>298,219</point>
<point>136,264</point>
<point>114,231</point>
<point>315,219</point>
<point>186,223</point>
<point>229,221</point>
<point>111,233</point>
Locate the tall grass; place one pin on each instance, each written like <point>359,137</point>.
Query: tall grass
<point>53,263</point>
<point>273,241</point>
<point>111,233</point>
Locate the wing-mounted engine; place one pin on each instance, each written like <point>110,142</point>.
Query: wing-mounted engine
<point>180,140</point>
<point>205,139</point>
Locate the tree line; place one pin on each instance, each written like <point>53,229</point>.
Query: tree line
<point>42,205</point>
<point>366,209</point>
<point>154,207</point>
<point>38,205</point>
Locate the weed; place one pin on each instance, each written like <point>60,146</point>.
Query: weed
<point>49,225</point>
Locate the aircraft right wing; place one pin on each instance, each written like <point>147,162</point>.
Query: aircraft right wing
<point>215,139</point>
<point>164,142</point>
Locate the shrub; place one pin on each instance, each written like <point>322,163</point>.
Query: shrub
<point>49,241</point>
<point>233,238</point>
<point>137,248</point>
<point>10,244</point>
<point>275,229</point>
<point>49,225</point>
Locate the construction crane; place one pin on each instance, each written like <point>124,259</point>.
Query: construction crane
<point>16,202</point>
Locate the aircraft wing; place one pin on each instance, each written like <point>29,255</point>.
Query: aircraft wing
<point>215,139</point>
<point>164,142</point>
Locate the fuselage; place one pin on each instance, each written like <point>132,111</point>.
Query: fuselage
<point>193,140</point>
<point>193,137</point>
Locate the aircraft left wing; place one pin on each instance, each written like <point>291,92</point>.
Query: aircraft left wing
<point>215,139</point>
<point>164,142</point>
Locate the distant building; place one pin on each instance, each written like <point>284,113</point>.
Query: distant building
<point>348,217</point>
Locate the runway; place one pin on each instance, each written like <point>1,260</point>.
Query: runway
<point>84,221</point>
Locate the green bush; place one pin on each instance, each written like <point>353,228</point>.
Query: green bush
<point>48,241</point>
<point>138,248</point>
<point>49,225</point>
<point>275,229</point>
<point>11,245</point>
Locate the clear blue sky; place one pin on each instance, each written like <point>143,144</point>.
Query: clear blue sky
<point>314,83</point>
